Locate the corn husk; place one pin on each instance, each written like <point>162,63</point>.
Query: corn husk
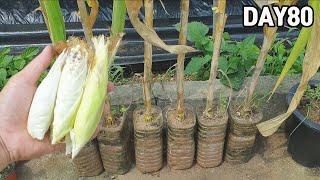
<point>41,110</point>
<point>310,67</point>
<point>147,33</point>
<point>91,106</point>
<point>70,89</point>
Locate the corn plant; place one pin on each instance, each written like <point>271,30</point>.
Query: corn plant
<point>220,18</point>
<point>310,66</point>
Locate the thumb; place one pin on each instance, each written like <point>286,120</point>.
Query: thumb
<point>34,69</point>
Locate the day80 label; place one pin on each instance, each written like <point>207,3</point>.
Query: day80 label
<point>292,16</point>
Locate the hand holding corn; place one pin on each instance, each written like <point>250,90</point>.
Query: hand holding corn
<point>15,101</point>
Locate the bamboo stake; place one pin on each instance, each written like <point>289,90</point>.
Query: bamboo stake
<point>269,34</point>
<point>221,18</point>
<point>181,57</point>
<point>148,4</point>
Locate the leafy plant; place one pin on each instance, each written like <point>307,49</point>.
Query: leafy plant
<point>278,57</point>
<point>237,59</point>
<point>116,74</point>
<point>313,93</point>
<point>12,64</point>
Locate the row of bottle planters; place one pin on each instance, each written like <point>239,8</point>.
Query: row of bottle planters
<point>195,138</point>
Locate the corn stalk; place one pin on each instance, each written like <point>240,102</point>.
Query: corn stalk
<point>269,35</point>
<point>117,27</point>
<point>181,57</point>
<point>220,17</point>
<point>88,20</point>
<point>148,4</point>
<point>54,20</point>
<point>118,16</point>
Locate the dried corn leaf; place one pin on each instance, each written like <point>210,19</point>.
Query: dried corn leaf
<point>311,65</point>
<point>94,5</point>
<point>148,34</point>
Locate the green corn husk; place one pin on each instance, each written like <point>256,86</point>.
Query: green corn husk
<point>41,110</point>
<point>70,89</point>
<point>92,103</point>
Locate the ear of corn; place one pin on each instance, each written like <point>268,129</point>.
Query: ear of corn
<point>70,90</point>
<point>41,110</point>
<point>91,106</point>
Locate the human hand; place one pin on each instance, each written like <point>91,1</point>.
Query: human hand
<point>15,101</point>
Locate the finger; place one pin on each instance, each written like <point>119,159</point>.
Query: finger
<point>34,69</point>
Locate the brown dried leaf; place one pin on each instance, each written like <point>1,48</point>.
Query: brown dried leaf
<point>310,67</point>
<point>148,34</point>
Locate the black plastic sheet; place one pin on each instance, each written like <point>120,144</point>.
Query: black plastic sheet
<point>23,11</point>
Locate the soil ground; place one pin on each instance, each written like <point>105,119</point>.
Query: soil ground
<point>270,162</point>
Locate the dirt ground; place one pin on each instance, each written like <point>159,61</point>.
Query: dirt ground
<point>271,162</point>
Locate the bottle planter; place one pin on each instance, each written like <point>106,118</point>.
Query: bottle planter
<point>114,146</point>
<point>148,140</point>
<point>303,135</point>
<point>210,140</point>
<point>242,136</point>
<point>181,144</point>
<point>9,173</point>
<point>88,162</point>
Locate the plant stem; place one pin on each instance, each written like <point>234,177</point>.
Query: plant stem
<point>148,4</point>
<point>221,18</point>
<point>181,56</point>
<point>269,34</point>
<point>54,20</point>
<point>118,16</point>
<point>118,23</point>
